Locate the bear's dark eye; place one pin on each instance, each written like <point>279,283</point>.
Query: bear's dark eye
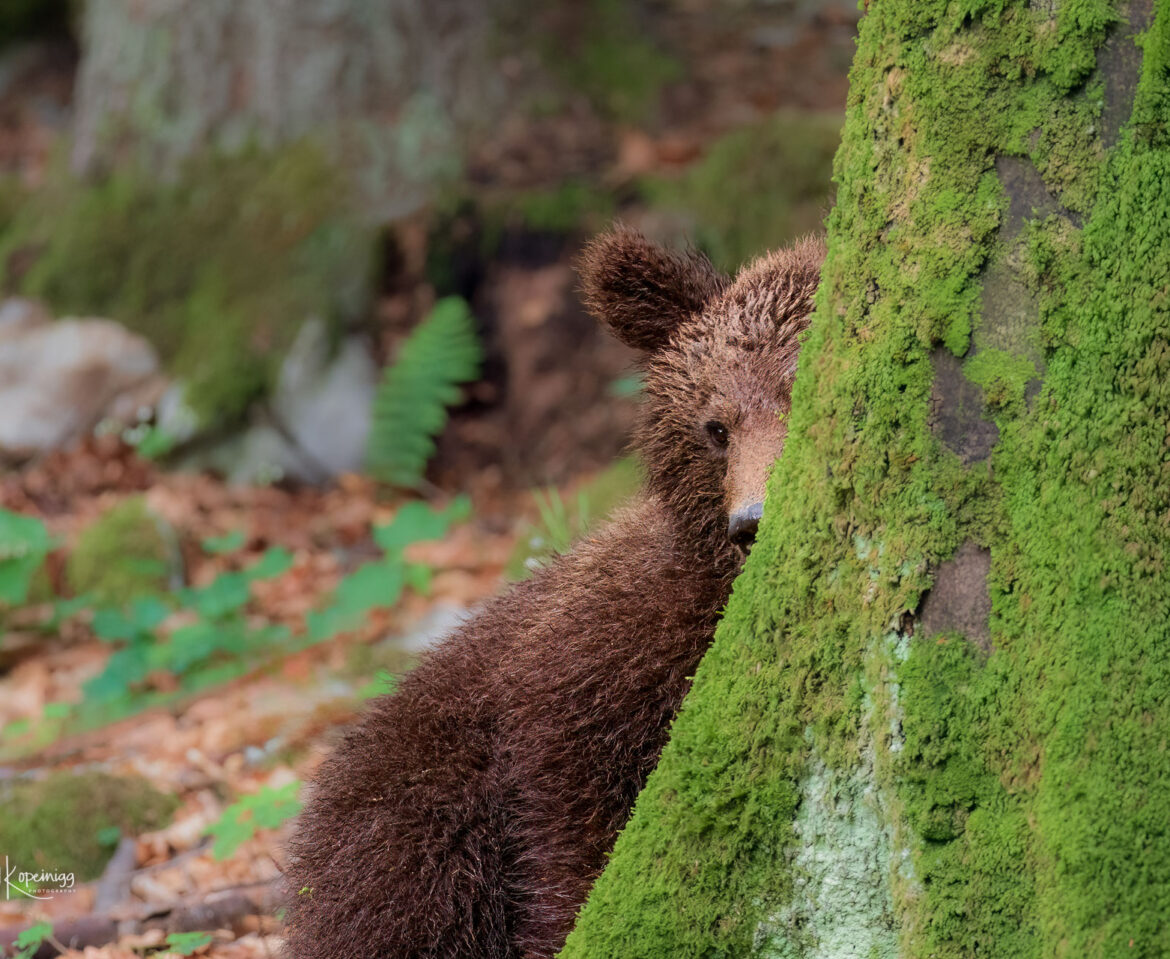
<point>718,434</point>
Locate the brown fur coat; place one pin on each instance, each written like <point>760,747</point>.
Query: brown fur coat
<point>467,814</point>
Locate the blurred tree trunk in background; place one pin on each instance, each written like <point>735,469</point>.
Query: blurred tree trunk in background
<point>394,88</point>
<point>936,718</point>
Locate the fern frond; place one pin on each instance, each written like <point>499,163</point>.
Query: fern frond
<point>410,406</point>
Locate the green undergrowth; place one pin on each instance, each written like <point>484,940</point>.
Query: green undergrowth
<point>573,206</point>
<point>757,187</point>
<point>71,822</point>
<point>410,407</point>
<point>1024,787</point>
<point>123,554</point>
<point>562,521</point>
<point>218,269</point>
<point>167,645</point>
<point>611,60</point>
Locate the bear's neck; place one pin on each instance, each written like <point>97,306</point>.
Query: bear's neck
<point>705,537</point>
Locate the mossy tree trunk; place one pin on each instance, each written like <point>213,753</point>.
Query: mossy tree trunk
<point>393,88</point>
<point>936,718</point>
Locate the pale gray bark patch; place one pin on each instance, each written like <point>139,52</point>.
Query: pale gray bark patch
<point>842,907</point>
<point>960,600</point>
<point>1120,62</point>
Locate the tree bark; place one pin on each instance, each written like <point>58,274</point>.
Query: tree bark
<point>394,88</point>
<point>935,721</point>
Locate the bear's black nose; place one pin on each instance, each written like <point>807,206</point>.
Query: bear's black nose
<point>742,526</point>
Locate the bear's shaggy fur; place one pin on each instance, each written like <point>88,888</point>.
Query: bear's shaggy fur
<point>467,814</point>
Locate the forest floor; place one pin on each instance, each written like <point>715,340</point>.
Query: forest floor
<point>266,728</point>
<point>263,731</point>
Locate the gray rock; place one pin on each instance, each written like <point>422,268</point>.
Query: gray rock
<point>316,422</point>
<point>18,314</point>
<point>259,454</point>
<point>174,417</point>
<point>323,402</point>
<point>59,379</point>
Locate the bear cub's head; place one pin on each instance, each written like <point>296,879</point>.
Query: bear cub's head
<point>718,356</point>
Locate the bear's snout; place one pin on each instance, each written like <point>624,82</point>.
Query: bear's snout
<point>742,526</point>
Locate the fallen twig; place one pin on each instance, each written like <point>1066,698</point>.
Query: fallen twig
<point>219,910</point>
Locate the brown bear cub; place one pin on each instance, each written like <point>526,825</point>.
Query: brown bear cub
<point>468,814</point>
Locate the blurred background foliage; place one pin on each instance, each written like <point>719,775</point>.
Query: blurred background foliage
<point>293,243</point>
<point>290,244</point>
<point>293,372</point>
<point>218,175</point>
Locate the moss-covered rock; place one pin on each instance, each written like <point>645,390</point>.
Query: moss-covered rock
<point>124,554</point>
<point>71,823</point>
<point>218,269</point>
<point>757,187</point>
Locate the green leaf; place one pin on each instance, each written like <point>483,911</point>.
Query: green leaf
<point>324,624</point>
<point>228,543</point>
<point>108,836</point>
<point>113,625</point>
<point>195,643</point>
<point>265,809</point>
<point>34,935</point>
<point>64,609</point>
<point>417,522</point>
<point>18,727</point>
<point>154,443</point>
<point>274,806</point>
<point>186,943</point>
<point>265,637</point>
<point>123,669</point>
<point>227,593</point>
<point>57,710</point>
<point>625,387</point>
<point>22,535</point>
<point>24,544</point>
<point>273,563</point>
<point>410,407</point>
<point>16,576</point>
<point>148,612</point>
<point>136,624</point>
<point>31,939</point>
<point>418,577</point>
<point>382,684</point>
<point>370,587</point>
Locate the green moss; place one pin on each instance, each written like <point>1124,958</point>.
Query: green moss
<point>121,555</point>
<point>757,187</point>
<point>218,269</point>
<point>1026,787</point>
<point>67,822</point>
<point>1004,376</point>
<point>613,63</point>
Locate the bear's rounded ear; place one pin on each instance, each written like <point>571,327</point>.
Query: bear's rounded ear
<point>641,291</point>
